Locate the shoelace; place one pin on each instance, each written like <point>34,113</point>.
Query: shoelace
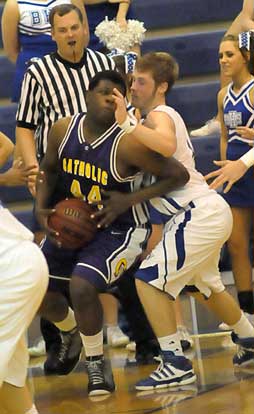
<point>64,348</point>
<point>95,372</point>
<point>240,352</point>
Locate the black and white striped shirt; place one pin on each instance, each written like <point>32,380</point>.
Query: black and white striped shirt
<point>54,88</point>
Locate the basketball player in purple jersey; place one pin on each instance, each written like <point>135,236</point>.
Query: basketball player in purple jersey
<point>86,155</point>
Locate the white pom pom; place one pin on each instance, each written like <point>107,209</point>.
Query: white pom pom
<point>110,33</point>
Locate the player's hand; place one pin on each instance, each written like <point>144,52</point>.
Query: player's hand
<point>230,172</point>
<point>18,174</point>
<point>245,132</point>
<point>114,203</point>
<point>121,111</point>
<point>43,215</point>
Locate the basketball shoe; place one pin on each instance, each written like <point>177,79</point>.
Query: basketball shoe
<point>173,371</point>
<point>100,377</point>
<point>211,127</point>
<point>39,348</point>
<point>245,352</point>
<point>116,337</point>
<point>64,358</point>
<point>185,338</point>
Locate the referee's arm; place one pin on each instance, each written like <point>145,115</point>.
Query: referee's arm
<point>27,117</point>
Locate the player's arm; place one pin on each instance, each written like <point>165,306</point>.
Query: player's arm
<point>224,133</point>
<point>81,5</point>
<point>6,148</point>
<point>158,135</point>
<point>133,157</point>
<point>48,174</point>
<point>10,21</point>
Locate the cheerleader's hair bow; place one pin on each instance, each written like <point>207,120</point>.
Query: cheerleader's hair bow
<point>244,40</point>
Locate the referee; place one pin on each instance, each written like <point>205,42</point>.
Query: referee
<point>55,86</point>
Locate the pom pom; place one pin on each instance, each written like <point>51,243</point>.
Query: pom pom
<point>110,33</point>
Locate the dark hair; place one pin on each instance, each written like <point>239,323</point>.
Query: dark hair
<point>111,75</point>
<point>62,10</point>
<point>244,52</point>
<point>162,66</point>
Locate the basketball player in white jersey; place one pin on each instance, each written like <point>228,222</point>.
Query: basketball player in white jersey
<point>23,283</point>
<point>199,222</point>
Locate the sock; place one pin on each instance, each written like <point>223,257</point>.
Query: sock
<point>171,343</point>
<point>243,328</point>
<point>93,344</point>
<point>33,410</point>
<point>246,301</point>
<point>69,323</point>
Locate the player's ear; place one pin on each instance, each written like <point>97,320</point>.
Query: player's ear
<point>163,87</point>
<point>53,33</point>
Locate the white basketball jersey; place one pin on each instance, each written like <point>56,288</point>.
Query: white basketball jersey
<point>196,186</point>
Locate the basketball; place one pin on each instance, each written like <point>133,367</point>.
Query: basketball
<point>73,223</point>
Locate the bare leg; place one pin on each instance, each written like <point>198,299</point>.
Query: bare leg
<point>222,305</point>
<point>110,308</point>
<point>15,400</point>
<point>162,317</point>
<point>238,245</point>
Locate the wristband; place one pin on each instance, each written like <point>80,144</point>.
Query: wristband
<point>128,125</point>
<point>248,158</point>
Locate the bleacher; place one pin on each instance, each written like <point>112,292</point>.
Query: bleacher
<point>191,31</point>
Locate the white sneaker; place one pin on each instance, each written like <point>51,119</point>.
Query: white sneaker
<point>37,350</point>
<point>211,127</point>
<point>184,334</point>
<point>227,342</point>
<point>116,337</point>
<point>131,346</point>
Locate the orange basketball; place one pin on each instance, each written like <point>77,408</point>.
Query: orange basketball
<point>73,223</point>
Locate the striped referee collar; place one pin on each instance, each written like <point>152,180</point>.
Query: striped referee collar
<point>76,65</point>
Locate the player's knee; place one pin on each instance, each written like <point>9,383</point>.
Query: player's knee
<point>53,307</point>
<point>82,292</point>
<point>238,247</point>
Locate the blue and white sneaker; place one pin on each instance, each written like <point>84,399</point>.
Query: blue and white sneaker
<point>172,372</point>
<point>245,351</point>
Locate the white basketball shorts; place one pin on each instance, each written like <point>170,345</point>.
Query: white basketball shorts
<point>23,283</point>
<point>189,251</point>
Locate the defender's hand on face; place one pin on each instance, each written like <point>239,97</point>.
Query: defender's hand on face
<point>121,111</point>
<point>114,203</point>
<point>229,172</point>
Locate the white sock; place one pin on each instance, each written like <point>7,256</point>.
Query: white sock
<point>33,410</point>
<point>243,328</point>
<point>93,344</point>
<point>171,343</point>
<point>68,323</point>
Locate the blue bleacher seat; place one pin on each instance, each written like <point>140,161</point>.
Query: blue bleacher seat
<point>26,217</point>
<point>195,102</point>
<point>6,77</point>
<point>159,14</point>
<point>8,120</point>
<point>207,149</point>
<point>196,53</point>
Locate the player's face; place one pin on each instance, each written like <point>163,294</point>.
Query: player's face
<point>101,103</point>
<point>70,35</point>
<point>231,60</point>
<point>143,91</point>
